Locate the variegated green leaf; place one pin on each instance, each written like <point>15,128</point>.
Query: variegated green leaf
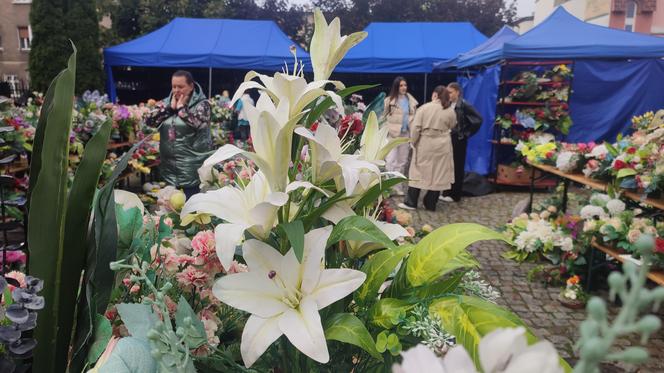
<point>377,268</point>
<point>433,254</point>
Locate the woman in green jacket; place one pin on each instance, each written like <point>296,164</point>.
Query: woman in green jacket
<point>184,128</point>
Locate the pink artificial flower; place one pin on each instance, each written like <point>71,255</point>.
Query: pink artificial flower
<point>237,268</point>
<point>229,166</point>
<point>186,260</point>
<point>192,277</point>
<point>170,305</point>
<point>18,276</point>
<point>126,281</point>
<point>203,244</point>
<point>135,289</point>
<point>13,257</point>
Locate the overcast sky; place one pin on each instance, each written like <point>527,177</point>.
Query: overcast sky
<point>524,7</point>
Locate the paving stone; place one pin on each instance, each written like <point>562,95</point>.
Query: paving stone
<point>536,304</point>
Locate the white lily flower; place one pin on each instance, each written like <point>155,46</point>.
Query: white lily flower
<point>328,47</point>
<point>357,249</point>
<point>327,159</point>
<point>252,209</point>
<point>375,144</point>
<point>503,350</point>
<point>284,295</point>
<point>294,90</point>
<point>272,137</point>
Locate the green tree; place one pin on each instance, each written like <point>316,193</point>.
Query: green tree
<point>82,27</point>
<point>48,42</point>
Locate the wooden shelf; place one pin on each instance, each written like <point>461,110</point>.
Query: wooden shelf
<point>521,82</point>
<point>655,275</point>
<point>599,185</point>
<point>502,143</point>
<point>117,145</point>
<point>521,103</point>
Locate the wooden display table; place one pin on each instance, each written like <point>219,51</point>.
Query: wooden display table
<point>656,276</point>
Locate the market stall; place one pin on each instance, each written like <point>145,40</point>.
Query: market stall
<point>205,43</point>
<point>608,66</point>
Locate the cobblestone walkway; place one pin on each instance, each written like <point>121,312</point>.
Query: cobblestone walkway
<point>537,305</point>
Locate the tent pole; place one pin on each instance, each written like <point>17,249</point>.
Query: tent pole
<point>424,97</point>
<point>210,82</point>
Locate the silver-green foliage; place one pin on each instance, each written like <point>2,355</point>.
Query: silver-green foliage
<point>598,334</point>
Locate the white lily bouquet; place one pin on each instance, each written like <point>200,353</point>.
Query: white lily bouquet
<point>306,272</point>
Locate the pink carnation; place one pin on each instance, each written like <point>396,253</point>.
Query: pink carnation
<point>13,257</point>
<point>192,277</point>
<point>18,276</point>
<point>237,268</point>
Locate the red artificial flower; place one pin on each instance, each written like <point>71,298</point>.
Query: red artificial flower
<point>314,127</point>
<point>631,150</point>
<point>549,155</point>
<point>659,245</point>
<point>540,114</point>
<point>564,106</point>
<point>619,165</point>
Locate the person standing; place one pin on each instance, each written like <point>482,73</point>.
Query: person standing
<point>431,167</point>
<point>185,141</point>
<point>469,122</point>
<point>399,113</point>
<point>243,119</point>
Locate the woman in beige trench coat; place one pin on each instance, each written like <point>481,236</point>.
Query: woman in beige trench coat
<point>399,113</point>
<point>432,164</point>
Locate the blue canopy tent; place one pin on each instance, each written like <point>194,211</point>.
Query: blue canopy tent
<point>489,51</point>
<point>206,43</point>
<point>409,48</point>
<point>617,74</point>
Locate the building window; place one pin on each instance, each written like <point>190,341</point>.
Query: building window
<point>630,16</point>
<point>24,38</point>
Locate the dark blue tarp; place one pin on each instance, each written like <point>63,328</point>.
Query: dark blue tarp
<point>607,94</point>
<point>482,91</point>
<point>218,43</point>
<point>208,43</point>
<point>562,35</point>
<point>410,47</point>
<point>487,52</point>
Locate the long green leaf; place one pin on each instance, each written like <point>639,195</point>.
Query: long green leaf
<point>471,318</point>
<point>359,228</point>
<point>347,328</point>
<point>103,333</point>
<point>38,142</point>
<point>400,288</point>
<point>387,312</point>
<point>377,268</point>
<point>184,311</point>
<point>432,255</point>
<point>79,205</point>
<point>375,191</point>
<point>327,102</point>
<point>294,230</point>
<point>48,203</point>
<point>102,250</point>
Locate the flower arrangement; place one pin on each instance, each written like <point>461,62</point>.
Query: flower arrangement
<point>289,264</point>
<point>573,295</point>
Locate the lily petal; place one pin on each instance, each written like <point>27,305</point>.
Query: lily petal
<point>498,347</point>
<point>541,357</point>
<point>304,330</point>
<point>227,237</point>
<point>295,185</point>
<point>338,211</point>
<point>457,360</point>
<point>334,284</point>
<point>315,242</point>
<point>252,292</point>
<point>392,231</point>
<point>257,336</point>
<point>261,257</point>
<point>225,203</point>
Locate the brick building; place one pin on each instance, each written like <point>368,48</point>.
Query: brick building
<point>15,39</point>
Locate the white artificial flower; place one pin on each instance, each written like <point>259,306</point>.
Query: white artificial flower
<point>128,200</point>
<point>600,151</point>
<point>375,144</point>
<point>328,47</point>
<point>284,295</point>
<point>291,90</point>
<point>564,242</point>
<point>599,199</point>
<point>567,161</point>
<point>589,212</point>
<point>503,350</point>
<point>272,138</point>
<point>329,162</point>
<point>252,209</point>
<point>615,206</point>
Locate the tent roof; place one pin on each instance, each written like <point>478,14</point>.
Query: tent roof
<point>410,47</point>
<point>489,51</point>
<point>561,35</point>
<point>220,43</point>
